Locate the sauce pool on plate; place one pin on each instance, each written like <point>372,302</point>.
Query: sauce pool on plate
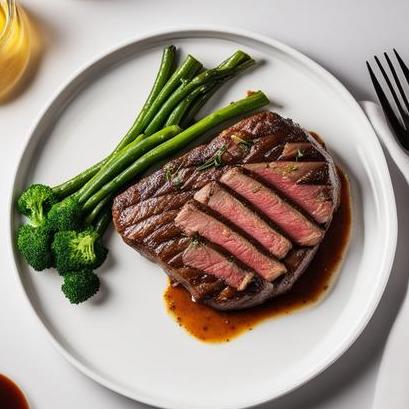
<point>11,396</point>
<point>210,325</point>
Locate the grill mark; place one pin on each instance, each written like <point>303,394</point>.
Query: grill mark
<point>199,178</point>
<point>273,154</point>
<point>157,205</point>
<point>156,181</point>
<point>166,250</point>
<point>163,233</point>
<point>261,148</point>
<point>170,186</point>
<point>177,259</point>
<point>148,225</point>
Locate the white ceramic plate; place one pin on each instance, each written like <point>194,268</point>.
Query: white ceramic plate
<point>127,341</point>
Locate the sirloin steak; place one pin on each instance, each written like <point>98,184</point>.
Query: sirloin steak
<point>235,221</point>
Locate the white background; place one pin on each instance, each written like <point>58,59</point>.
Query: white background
<point>339,34</point>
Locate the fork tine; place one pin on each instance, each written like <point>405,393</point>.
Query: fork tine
<point>387,109</point>
<point>403,66</point>
<point>397,81</point>
<point>390,86</point>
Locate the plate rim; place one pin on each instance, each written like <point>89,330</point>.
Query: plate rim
<point>214,31</point>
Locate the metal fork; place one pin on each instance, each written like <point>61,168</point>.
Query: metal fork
<point>399,121</point>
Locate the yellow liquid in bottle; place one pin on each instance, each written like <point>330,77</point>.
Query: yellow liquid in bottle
<point>2,20</point>
<point>14,47</point>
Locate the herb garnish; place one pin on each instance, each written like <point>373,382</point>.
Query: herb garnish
<point>246,144</point>
<point>216,160</point>
<point>173,176</point>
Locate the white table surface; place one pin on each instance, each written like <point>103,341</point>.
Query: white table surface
<point>339,34</point>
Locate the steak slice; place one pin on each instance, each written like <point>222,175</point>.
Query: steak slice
<point>209,260</point>
<point>224,203</point>
<point>157,215</point>
<point>193,221</point>
<point>300,229</point>
<point>284,176</point>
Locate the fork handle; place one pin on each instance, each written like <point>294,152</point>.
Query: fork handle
<point>385,135</point>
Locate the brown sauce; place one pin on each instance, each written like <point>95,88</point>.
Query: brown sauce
<point>210,325</point>
<point>11,397</point>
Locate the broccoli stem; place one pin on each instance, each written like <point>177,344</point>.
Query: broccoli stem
<point>120,160</point>
<point>247,104</point>
<point>164,73</point>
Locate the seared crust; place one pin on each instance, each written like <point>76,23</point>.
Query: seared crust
<point>144,213</point>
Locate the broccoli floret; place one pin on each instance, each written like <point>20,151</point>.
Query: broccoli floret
<point>79,286</point>
<point>75,251</point>
<point>65,215</point>
<point>35,202</point>
<point>34,243</point>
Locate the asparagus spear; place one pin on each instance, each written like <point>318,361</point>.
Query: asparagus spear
<point>120,160</point>
<point>164,73</point>
<point>249,103</point>
<point>228,69</point>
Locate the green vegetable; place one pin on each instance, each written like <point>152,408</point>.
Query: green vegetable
<point>164,73</point>
<point>236,59</point>
<point>79,286</point>
<point>67,222</point>
<point>123,158</point>
<point>75,251</point>
<point>96,212</point>
<point>197,105</point>
<point>250,103</point>
<point>182,75</point>
<point>208,76</point>
<point>35,202</point>
<point>201,100</point>
<point>182,108</point>
<point>34,245</point>
<point>164,84</point>
<point>65,215</point>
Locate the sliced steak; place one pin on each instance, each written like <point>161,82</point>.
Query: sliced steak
<point>292,222</point>
<point>193,221</point>
<point>277,189</point>
<point>204,258</point>
<point>231,208</point>
<point>316,200</point>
